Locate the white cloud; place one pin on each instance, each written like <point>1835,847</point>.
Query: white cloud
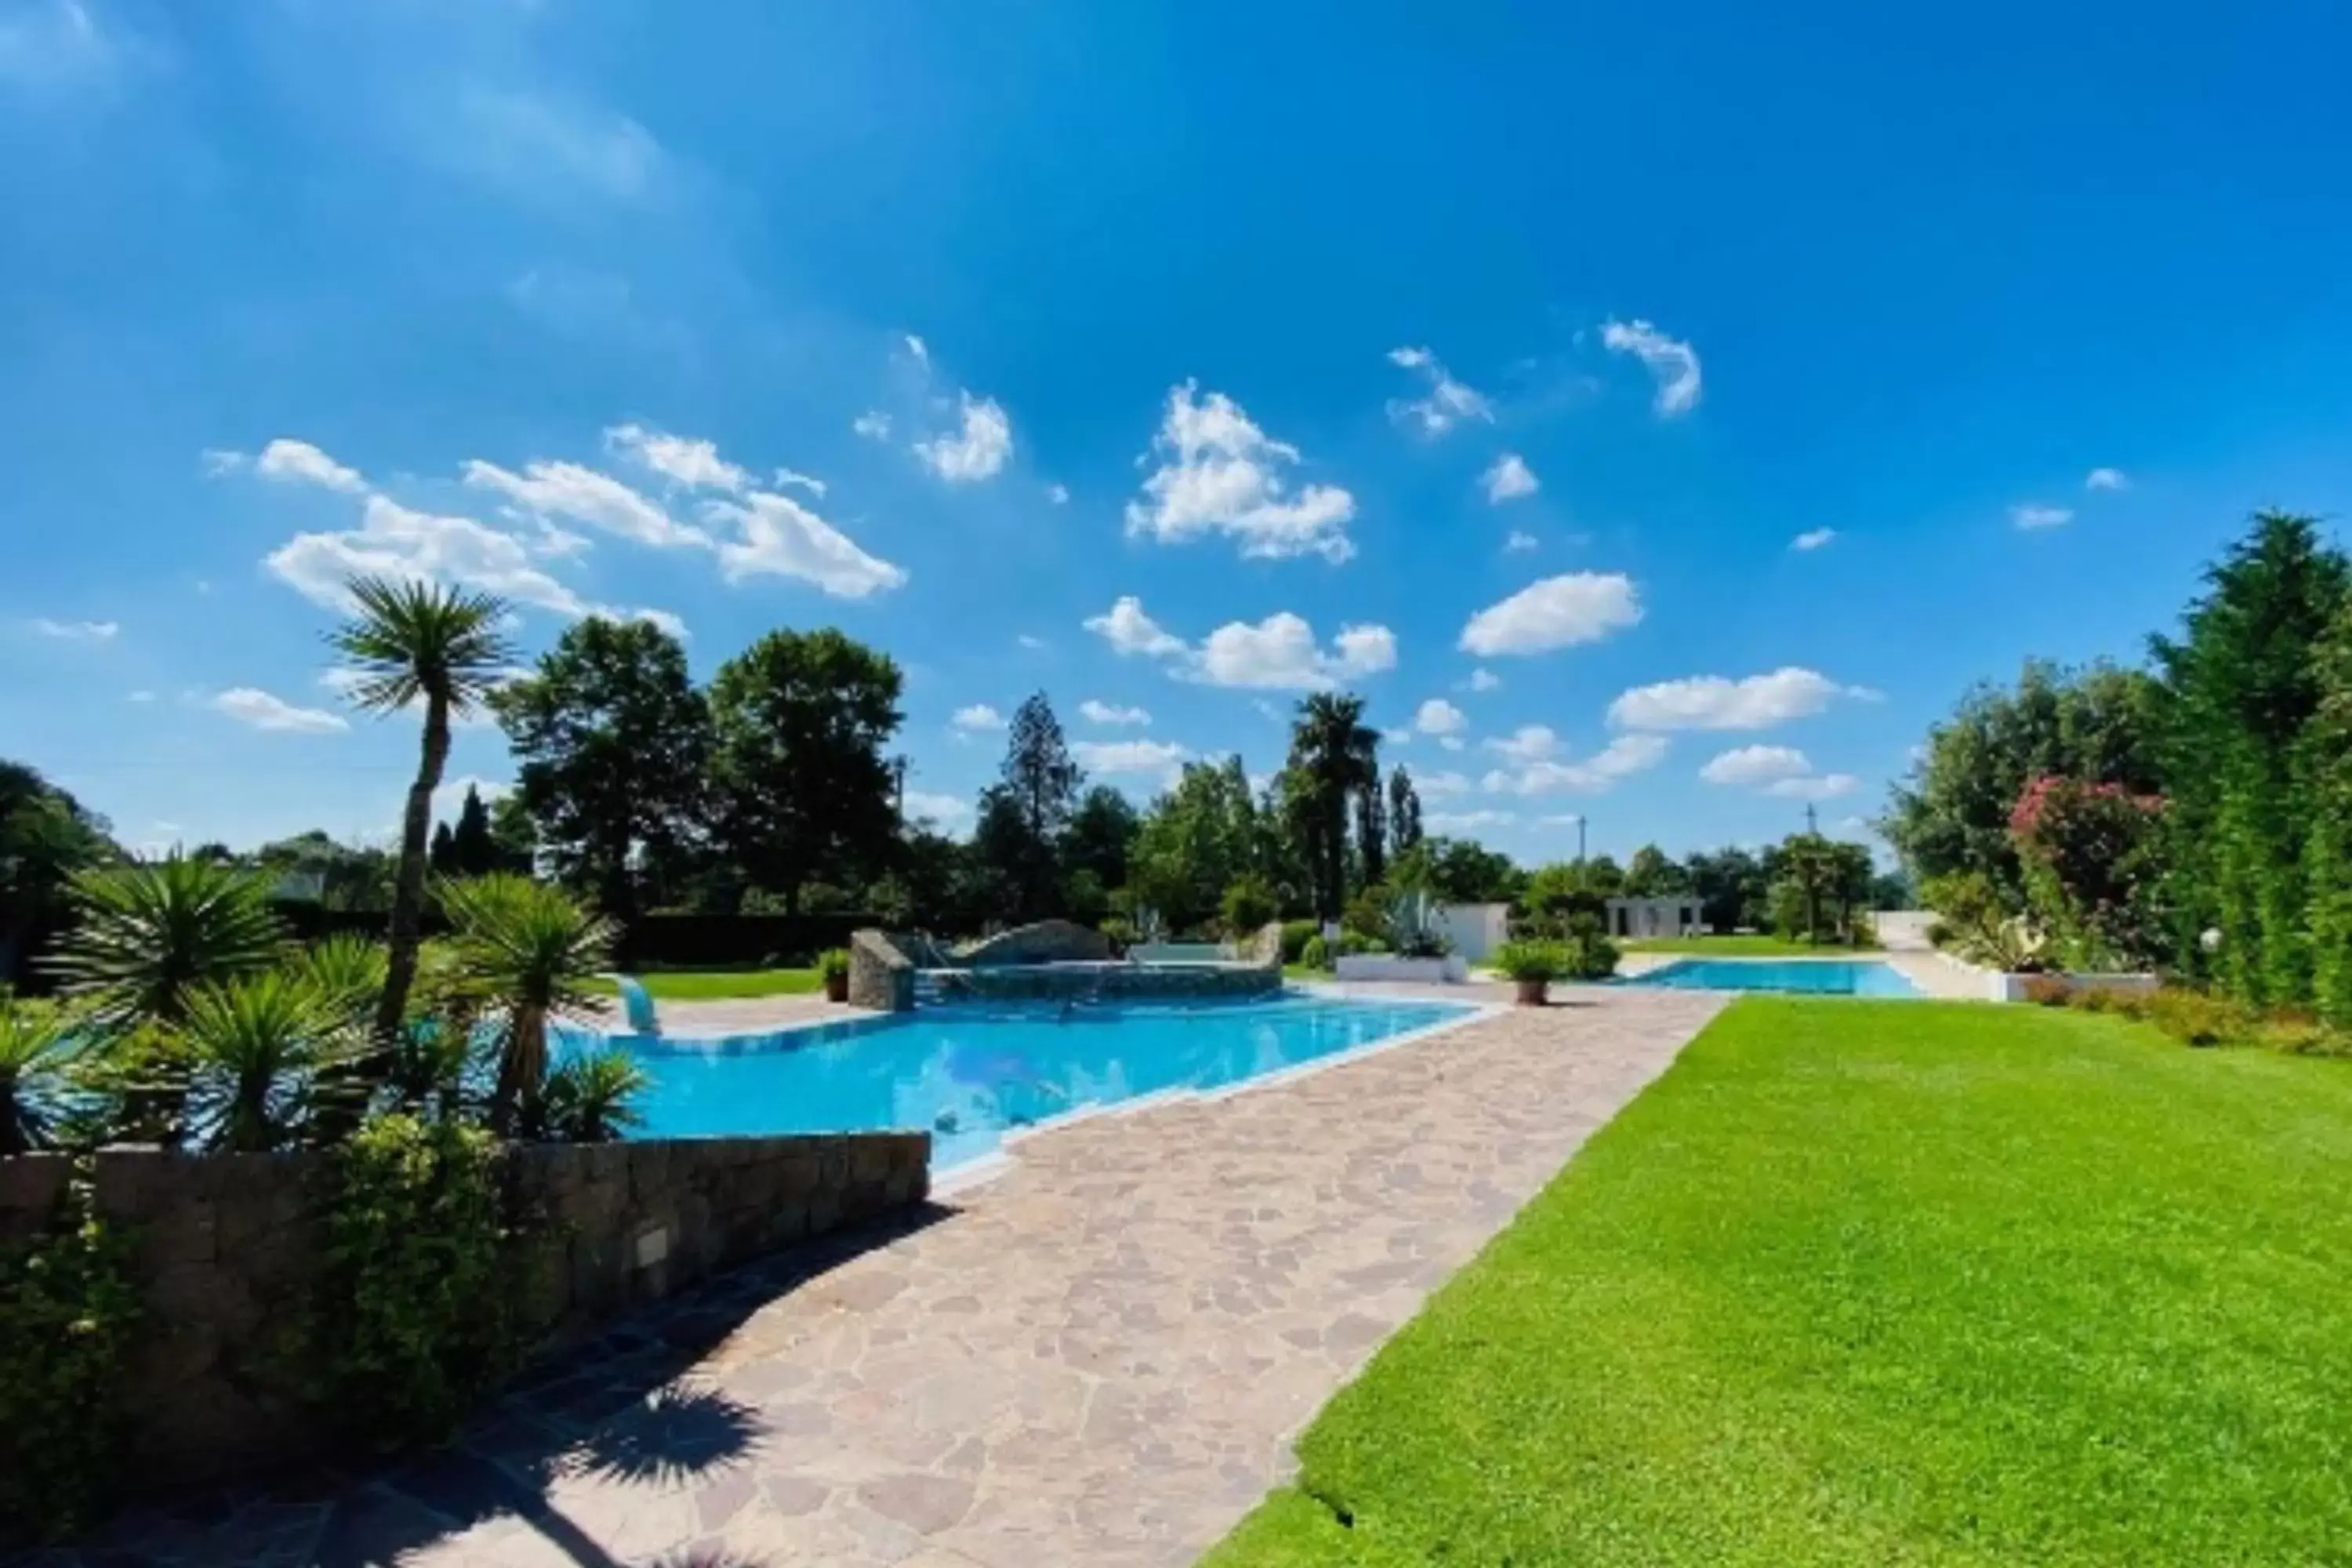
<point>1519,541</point>
<point>298,462</point>
<point>917,348</point>
<point>393,541</point>
<point>1450,742</point>
<point>1562,819</point>
<point>1468,821</point>
<point>450,798</point>
<point>1164,758</point>
<point>1033,644</point>
<point>1058,494</point>
<point>1097,712</point>
<point>1756,765</point>
<point>1718,702</point>
<point>977,450</point>
<point>977,719</point>
<point>1528,743</point>
<point>1221,474</point>
<point>664,621</point>
<point>2105,479</point>
<point>777,536</point>
<point>1557,612</point>
<point>1439,717</point>
<point>1130,631</point>
<point>1621,758</point>
<point>873,424</point>
<point>2038,514</point>
<point>1825,786</point>
<point>1279,653</point>
<point>76,631</point>
<point>1449,402</point>
<point>1396,737</point>
<point>140,696</point>
<point>1442,784</point>
<point>1508,480</point>
<point>218,461</point>
<point>1484,679</point>
<point>923,806</point>
<point>685,459</point>
<point>247,705</point>
<point>584,495</point>
<point>1813,539</point>
<point>542,148</point>
<point>808,483</point>
<point>1672,363</point>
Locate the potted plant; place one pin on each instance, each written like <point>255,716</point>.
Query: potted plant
<point>1534,965</point>
<point>833,964</point>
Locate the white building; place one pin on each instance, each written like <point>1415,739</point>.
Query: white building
<point>1674,915</point>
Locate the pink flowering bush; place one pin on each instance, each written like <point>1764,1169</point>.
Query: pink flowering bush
<point>2093,859</point>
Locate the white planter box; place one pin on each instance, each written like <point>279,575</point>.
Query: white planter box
<point>2012,987</point>
<point>1450,970</point>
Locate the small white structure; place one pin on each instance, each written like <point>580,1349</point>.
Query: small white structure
<point>1473,932</point>
<point>1677,915</point>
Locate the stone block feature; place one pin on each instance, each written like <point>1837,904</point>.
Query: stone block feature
<point>226,1248</point>
<point>1047,942</point>
<point>881,975</point>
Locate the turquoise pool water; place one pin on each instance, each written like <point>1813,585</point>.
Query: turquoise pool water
<point>970,1073</point>
<point>1808,976</point>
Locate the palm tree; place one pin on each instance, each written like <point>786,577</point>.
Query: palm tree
<point>260,1051</point>
<point>145,935</point>
<point>1336,756</point>
<point>533,952</point>
<point>415,644</point>
<point>588,1098</point>
<point>39,1051</point>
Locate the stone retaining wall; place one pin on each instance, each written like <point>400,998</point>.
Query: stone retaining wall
<point>225,1245</point>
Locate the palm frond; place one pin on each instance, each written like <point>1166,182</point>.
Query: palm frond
<point>146,935</point>
<point>590,1098</point>
<point>413,641</point>
<point>256,1048</point>
<point>528,946</point>
<point>40,1050</point>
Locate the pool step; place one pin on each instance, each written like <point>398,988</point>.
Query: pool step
<point>928,991</point>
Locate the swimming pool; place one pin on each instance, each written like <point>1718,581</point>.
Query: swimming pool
<point>1804,976</point>
<point>970,1073</point>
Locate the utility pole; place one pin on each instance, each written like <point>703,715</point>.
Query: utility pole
<point>1579,839</point>
<point>1812,825</point>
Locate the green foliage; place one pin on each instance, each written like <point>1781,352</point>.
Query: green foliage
<point>1314,954</point>
<point>1973,923</point>
<point>802,788</point>
<point>1650,874</point>
<point>1819,889</point>
<point>2091,855</point>
<point>1295,935</point>
<point>416,1316</point>
<point>833,963</point>
<point>590,1098</point>
<point>1196,842</point>
<point>1248,904</point>
<point>45,838</point>
<point>40,1050</point>
<point>258,1052</point>
<point>1334,758</point>
<point>1458,871</point>
<point>613,746</point>
<point>1366,915</point>
<point>1590,954</point>
<point>67,1310</point>
<point>1567,887</point>
<point>534,955</point>
<point>148,934</point>
<point>1532,960</point>
<point>1404,817</point>
<point>2098,724</point>
<point>1732,889</point>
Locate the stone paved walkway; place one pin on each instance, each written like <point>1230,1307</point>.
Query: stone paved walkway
<point>1100,1357</point>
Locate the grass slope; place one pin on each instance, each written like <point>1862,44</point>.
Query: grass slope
<point>1885,1283</point>
<point>1743,947</point>
<point>720,984</point>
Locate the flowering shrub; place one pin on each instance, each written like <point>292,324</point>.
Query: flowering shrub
<point>2091,855</point>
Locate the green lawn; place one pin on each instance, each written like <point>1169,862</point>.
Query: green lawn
<point>719,985</point>
<point>1740,947</point>
<point>1884,1283</point>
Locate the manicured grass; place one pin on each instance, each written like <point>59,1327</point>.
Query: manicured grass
<point>1740,947</point>
<point>720,984</point>
<point>1884,1283</point>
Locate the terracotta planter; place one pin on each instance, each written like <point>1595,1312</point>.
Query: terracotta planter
<point>1534,992</point>
<point>836,987</point>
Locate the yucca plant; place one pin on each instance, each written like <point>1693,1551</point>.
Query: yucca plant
<point>418,644</point>
<point>147,935</point>
<point>347,973</point>
<point>536,954</point>
<point>590,1098</point>
<point>40,1050</point>
<point>261,1051</point>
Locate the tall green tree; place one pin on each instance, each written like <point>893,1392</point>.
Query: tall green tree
<point>417,646</point>
<point>1731,888</point>
<point>146,936</point>
<point>1194,843</point>
<point>46,836</point>
<point>1333,755</point>
<point>1404,813</point>
<point>801,787</point>
<point>2241,684</point>
<point>2098,724</point>
<point>1652,874</point>
<point>471,845</point>
<point>614,746</point>
<point>1372,832</point>
<point>2326,766</point>
<point>1024,815</point>
<point>1101,834</point>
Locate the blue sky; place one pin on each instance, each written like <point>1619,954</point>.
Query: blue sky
<point>1172,359</point>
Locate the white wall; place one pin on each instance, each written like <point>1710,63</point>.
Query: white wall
<point>1475,930</point>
